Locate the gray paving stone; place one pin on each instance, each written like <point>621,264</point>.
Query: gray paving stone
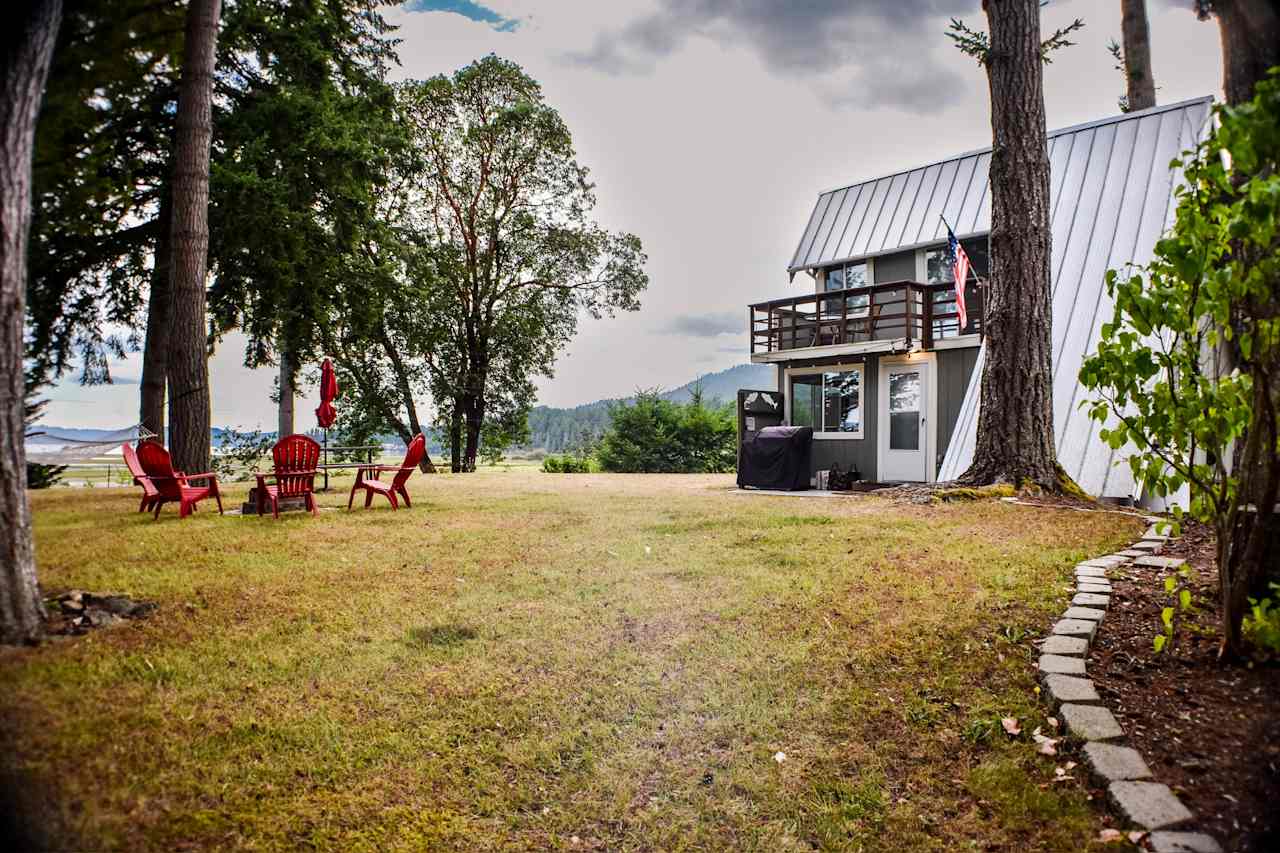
<point>1076,628</point>
<point>1151,546</point>
<point>1165,841</point>
<point>1061,664</point>
<point>1084,571</point>
<point>1102,587</point>
<point>1133,552</point>
<point>1084,613</point>
<point>1101,563</point>
<point>1159,562</point>
<point>1090,722</point>
<point>1115,763</point>
<point>1149,804</point>
<point>1065,688</point>
<point>1091,599</point>
<point>1059,644</point>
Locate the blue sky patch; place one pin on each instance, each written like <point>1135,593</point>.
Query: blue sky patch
<point>467,9</point>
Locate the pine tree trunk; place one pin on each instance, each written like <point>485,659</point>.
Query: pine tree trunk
<point>1015,424</point>
<point>1250,44</point>
<point>1137,54</point>
<point>284,423</point>
<point>28,39</point>
<point>188,354</point>
<point>155,353</point>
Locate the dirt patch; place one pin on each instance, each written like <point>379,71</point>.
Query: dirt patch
<point>77,612</point>
<point>1208,730</point>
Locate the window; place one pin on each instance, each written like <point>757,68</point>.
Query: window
<point>938,270</point>
<point>843,277</point>
<point>828,400</point>
<point>937,262</point>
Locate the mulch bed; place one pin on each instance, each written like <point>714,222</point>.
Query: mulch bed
<point>1210,731</point>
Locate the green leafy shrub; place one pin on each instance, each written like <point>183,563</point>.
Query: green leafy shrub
<point>1262,624</point>
<point>657,436</point>
<point>566,464</point>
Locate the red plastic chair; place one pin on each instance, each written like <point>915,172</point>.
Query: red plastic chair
<point>171,485</point>
<point>140,478</point>
<point>294,458</point>
<point>367,477</point>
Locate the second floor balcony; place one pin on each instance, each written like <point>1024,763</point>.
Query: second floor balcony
<point>907,313</point>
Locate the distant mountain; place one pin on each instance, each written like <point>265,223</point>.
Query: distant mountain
<point>557,430</point>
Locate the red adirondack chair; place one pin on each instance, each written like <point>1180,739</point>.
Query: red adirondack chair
<point>294,458</point>
<point>367,477</point>
<point>171,485</point>
<point>140,478</point>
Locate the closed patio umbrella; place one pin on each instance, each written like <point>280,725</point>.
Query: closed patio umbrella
<point>326,414</point>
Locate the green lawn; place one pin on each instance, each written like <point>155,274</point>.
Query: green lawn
<point>534,661</point>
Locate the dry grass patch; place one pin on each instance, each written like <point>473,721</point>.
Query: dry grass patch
<point>525,659</point>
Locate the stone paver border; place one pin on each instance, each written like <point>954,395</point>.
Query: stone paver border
<point>1062,666</point>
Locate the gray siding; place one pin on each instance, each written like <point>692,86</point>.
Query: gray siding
<point>897,267</point>
<point>955,366</point>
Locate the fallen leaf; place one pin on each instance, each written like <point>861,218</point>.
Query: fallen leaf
<point>1136,836</point>
<point>1047,745</point>
<point>1053,721</point>
<point>1011,726</point>
<point>779,757</point>
<point>1071,765</point>
<point>1109,836</point>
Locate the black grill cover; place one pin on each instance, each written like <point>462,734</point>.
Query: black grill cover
<point>776,458</point>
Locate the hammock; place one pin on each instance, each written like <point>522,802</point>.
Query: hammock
<point>49,448</point>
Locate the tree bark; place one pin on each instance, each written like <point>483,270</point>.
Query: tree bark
<point>155,353</point>
<point>1250,44</point>
<point>188,355</point>
<point>455,436</point>
<point>1015,424</point>
<point>28,41</point>
<point>406,392</point>
<point>1137,54</point>
<point>284,423</point>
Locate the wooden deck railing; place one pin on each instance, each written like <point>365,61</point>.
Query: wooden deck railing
<point>908,310</point>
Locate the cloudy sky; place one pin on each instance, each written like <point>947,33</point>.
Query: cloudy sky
<point>710,126</point>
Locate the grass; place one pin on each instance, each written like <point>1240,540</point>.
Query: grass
<point>533,661</point>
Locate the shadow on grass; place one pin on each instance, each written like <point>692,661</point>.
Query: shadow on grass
<point>440,636</point>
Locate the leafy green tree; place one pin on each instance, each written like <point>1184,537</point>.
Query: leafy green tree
<point>1161,372</point>
<point>502,223</point>
<point>656,436</point>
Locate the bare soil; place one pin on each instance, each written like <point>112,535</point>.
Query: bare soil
<point>1209,730</point>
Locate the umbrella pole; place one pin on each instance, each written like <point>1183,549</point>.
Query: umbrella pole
<point>326,459</point>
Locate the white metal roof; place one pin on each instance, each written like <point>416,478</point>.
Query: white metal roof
<point>904,210</point>
<point>1111,200</point>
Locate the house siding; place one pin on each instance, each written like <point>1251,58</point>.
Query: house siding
<point>900,266</point>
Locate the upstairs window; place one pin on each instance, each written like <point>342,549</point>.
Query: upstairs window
<point>937,263</point>
<point>847,276</point>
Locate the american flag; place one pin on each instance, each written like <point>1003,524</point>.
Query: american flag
<point>960,271</point>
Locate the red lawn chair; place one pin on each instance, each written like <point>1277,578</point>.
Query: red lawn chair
<point>171,485</point>
<point>367,477</point>
<point>149,492</point>
<point>294,458</point>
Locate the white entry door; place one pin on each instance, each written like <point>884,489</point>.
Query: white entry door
<point>903,423</point>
